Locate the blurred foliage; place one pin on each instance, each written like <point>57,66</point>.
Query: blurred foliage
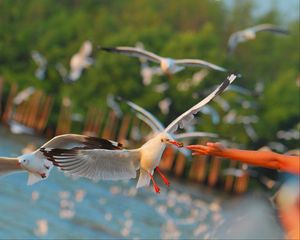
<point>179,29</point>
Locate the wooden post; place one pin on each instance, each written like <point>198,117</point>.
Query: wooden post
<point>44,113</point>
<point>214,171</point>
<point>124,128</point>
<point>167,159</point>
<point>229,178</point>
<point>9,103</point>
<point>64,119</point>
<point>179,165</point>
<point>198,168</point>
<point>109,126</point>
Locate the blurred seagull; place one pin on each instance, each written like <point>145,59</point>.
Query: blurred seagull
<point>110,162</point>
<point>168,65</point>
<point>23,95</point>
<point>41,62</point>
<point>250,34</point>
<point>80,61</point>
<point>147,72</point>
<point>196,79</point>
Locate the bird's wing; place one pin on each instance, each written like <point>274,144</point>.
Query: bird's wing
<point>187,116</point>
<point>198,63</point>
<point>9,165</point>
<point>96,164</point>
<point>155,122</point>
<point>133,52</point>
<point>195,135</point>
<point>70,141</point>
<point>269,28</point>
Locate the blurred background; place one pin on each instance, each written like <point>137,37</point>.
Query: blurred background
<point>262,110</point>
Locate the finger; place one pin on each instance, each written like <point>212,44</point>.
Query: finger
<point>196,147</point>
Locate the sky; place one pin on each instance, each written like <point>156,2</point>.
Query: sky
<point>288,8</point>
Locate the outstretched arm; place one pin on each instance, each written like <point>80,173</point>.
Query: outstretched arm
<point>258,158</point>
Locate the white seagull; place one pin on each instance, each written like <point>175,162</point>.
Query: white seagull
<point>116,163</point>
<point>80,61</point>
<point>41,62</point>
<point>147,72</point>
<point>23,95</point>
<point>36,162</point>
<point>250,34</point>
<point>168,65</point>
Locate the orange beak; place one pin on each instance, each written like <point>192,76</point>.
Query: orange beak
<point>177,144</point>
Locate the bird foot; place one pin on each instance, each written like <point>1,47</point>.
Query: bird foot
<point>166,181</point>
<point>155,186</point>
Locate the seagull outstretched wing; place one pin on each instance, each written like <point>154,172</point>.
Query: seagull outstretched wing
<point>187,116</point>
<point>133,52</point>
<point>270,28</point>
<point>198,63</point>
<point>96,164</point>
<point>153,122</point>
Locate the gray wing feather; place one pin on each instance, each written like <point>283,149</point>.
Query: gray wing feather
<point>197,63</point>
<point>134,52</point>
<point>96,164</point>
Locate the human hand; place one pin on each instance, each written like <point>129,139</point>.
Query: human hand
<point>208,149</point>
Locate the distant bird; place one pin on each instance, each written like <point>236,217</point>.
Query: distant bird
<point>80,61</point>
<point>18,128</point>
<point>168,65</point>
<point>41,62</point>
<point>164,105</point>
<point>63,72</point>
<point>147,72</point>
<point>110,161</point>
<point>250,34</point>
<point>23,95</point>
<point>208,110</point>
<point>110,101</point>
<point>196,79</point>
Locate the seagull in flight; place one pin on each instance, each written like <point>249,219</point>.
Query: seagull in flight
<point>168,65</point>
<point>41,62</point>
<point>250,34</point>
<point>36,163</point>
<point>80,61</point>
<point>111,162</point>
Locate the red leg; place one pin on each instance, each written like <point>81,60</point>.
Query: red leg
<point>156,187</point>
<point>166,181</point>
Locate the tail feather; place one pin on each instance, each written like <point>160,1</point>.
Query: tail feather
<point>144,179</point>
<point>33,178</point>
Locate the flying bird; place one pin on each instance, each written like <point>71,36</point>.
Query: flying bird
<point>114,163</point>
<point>41,62</point>
<point>250,34</point>
<point>147,72</point>
<point>36,162</point>
<point>80,61</point>
<point>23,95</point>
<point>168,65</point>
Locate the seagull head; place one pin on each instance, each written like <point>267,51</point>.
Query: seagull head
<point>24,161</point>
<point>168,65</point>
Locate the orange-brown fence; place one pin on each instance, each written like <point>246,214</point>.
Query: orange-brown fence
<point>129,130</point>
